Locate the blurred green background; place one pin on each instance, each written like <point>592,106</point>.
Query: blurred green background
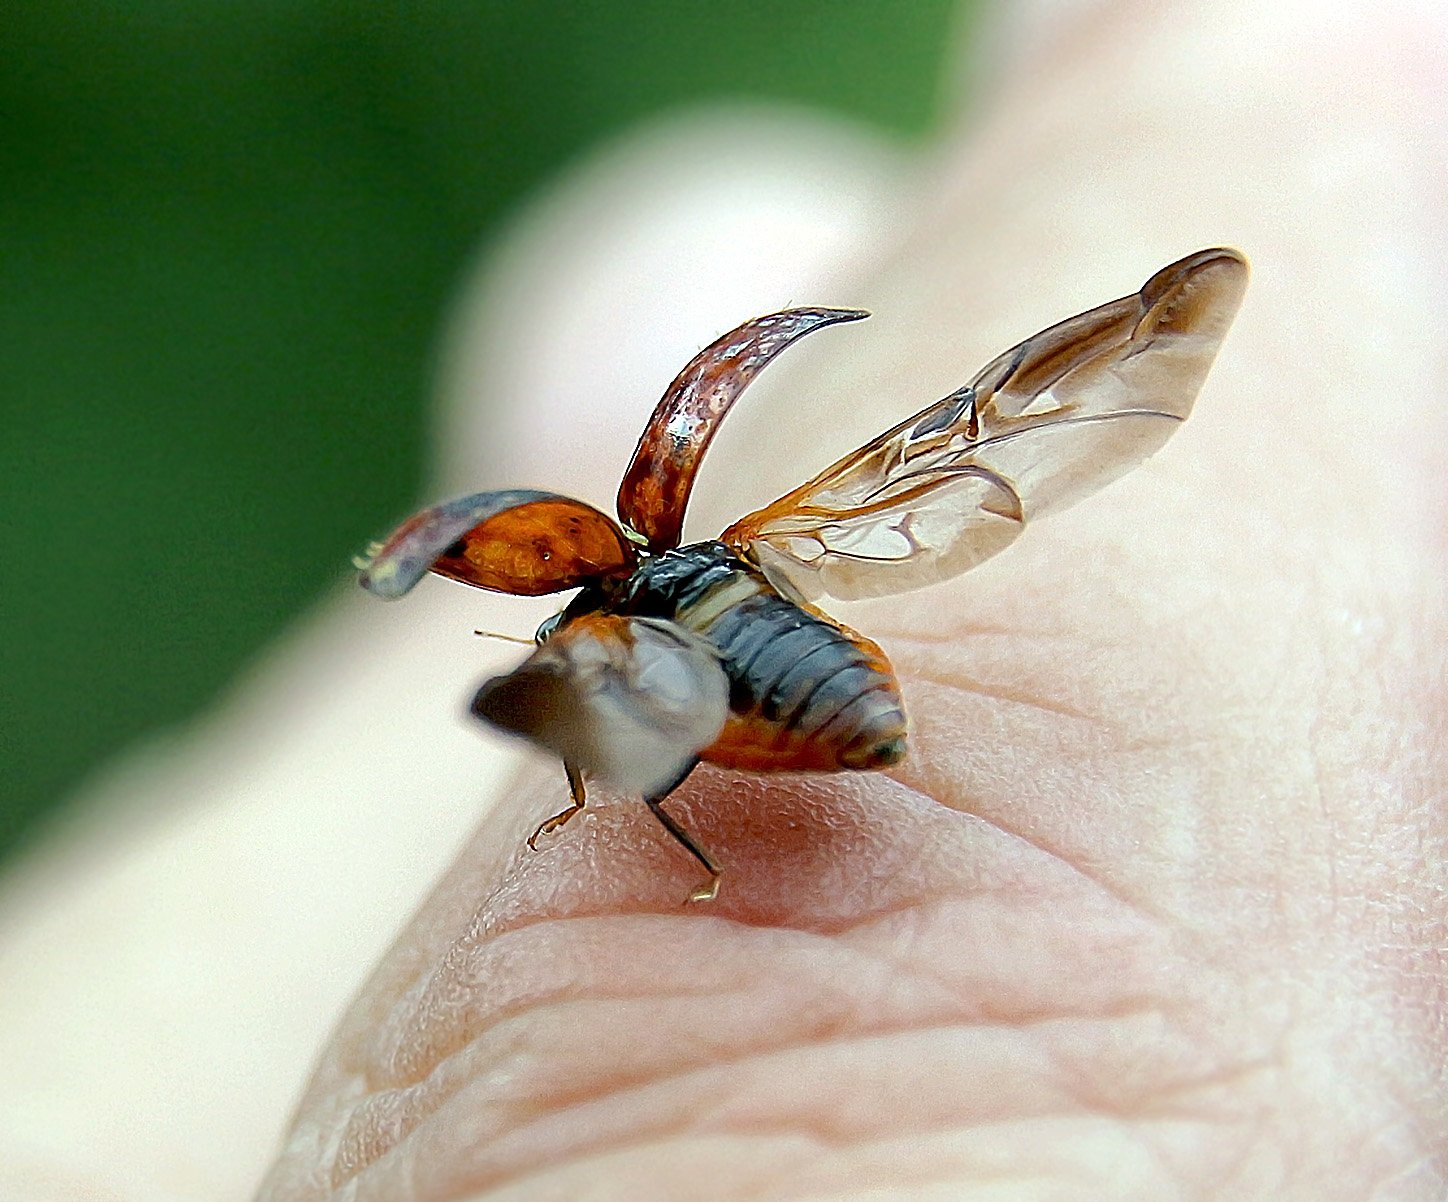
<point>227,236</point>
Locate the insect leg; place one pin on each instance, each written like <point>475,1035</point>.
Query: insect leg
<point>576,794</point>
<point>703,892</point>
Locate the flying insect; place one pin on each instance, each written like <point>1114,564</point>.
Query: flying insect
<point>669,655</point>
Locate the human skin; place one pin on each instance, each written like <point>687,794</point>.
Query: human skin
<point>1157,907</point>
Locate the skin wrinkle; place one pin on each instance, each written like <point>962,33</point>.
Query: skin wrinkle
<point>564,1112</point>
<point>1076,1187</point>
<point>980,1010</point>
<point>950,1157</point>
<point>892,1185</point>
<point>981,1015</point>
<point>961,632</point>
<point>542,1010</point>
<point>522,1026</point>
<point>1108,705</point>
<point>486,931</point>
<point>927,797</point>
<point>485,928</point>
<point>514,930</point>
<point>397,1072</point>
<point>527,1185</point>
<point>1182,746</point>
<point>758,1056</point>
<point>565,1101</point>
<point>772,819</point>
<point>926,1131</point>
<point>1115,892</point>
<point>996,822</point>
<point>995,692</point>
<point>1248,1118</point>
<point>489,919</point>
<point>822,1138</point>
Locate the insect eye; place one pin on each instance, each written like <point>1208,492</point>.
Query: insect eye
<point>547,628</point>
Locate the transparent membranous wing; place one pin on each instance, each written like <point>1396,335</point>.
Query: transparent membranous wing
<point>628,700</point>
<point>1049,421</point>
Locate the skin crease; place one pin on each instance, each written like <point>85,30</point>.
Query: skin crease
<point>1157,906</point>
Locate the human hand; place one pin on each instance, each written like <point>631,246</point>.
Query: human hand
<point>1156,905</point>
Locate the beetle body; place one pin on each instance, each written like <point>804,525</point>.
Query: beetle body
<point>669,655</point>
<point>805,693</point>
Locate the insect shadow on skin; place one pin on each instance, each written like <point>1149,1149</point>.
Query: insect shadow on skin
<point>670,655</point>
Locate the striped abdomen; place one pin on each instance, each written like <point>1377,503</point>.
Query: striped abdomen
<point>805,694</point>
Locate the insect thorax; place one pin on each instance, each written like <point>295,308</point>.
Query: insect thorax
<point>666,586</point>
<point>672,584</point>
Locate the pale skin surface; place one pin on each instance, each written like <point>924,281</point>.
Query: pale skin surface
<point>1157,907</point>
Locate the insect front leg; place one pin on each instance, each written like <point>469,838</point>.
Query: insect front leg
<point>577,795</point>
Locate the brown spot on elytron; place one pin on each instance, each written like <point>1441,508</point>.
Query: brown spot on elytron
<point>539,547</point>
<point>656,486</point>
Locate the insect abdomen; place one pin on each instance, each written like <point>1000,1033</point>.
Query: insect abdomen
<point>805,694</point>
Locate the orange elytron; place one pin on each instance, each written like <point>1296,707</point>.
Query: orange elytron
<point>669,655</point>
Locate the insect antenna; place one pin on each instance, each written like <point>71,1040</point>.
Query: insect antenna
<point>507,638</point>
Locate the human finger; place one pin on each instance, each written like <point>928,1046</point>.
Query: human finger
<point>471,1060</point>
